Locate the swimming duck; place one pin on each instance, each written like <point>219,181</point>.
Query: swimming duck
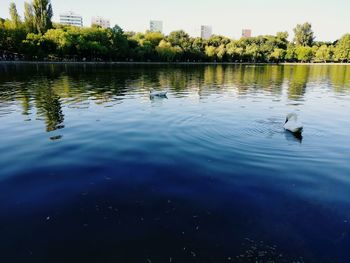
<point>155,93</point>
<point>292,124</point>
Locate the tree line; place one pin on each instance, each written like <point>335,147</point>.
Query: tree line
<point>36,37</point>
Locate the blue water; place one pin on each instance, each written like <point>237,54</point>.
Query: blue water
<point>94,170</point>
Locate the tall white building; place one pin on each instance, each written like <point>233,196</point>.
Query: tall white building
<point>206,32</point>
<point>71,19</point>
<point>102,22</point>
<point>156,26</point>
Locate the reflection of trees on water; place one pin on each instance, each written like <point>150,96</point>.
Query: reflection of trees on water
<point>276,76</point>
<point>337,75</point>
<point>258,78</point>
<point>177,79</point>
<point>49,106</point>
<point>7,95</point>
<point>25,99</point>
<point>78,86</point>
<point>225,79</point>
<point>340,78</point>
<point>298,78</point>
<point>214,75</point>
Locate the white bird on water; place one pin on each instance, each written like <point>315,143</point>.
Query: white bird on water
<point>155,93</point>
<point>292,124</point>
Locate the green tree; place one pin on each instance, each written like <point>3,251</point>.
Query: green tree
<point>177,38</point>
<point>221,52</point>
<point>197,48</point>
<point>15,18</point>
<point>267,45</point>
<point>210,52</point>
<point>233,51</point>
<point>181,39</point>
<point>29,17</point>
<point>217,41</point>
<point>153,37</point>
<point>42,15</point>
<point>290,53</point>
<point>119,42</point>
<point>166,51</point>
<point>342,49</point>
<point>58,40</point>
<point>282,40</point>
<point>323,53</point>
<point>38,38</point>
<point>252,52</point>
<point>278,55</point>
<point>32,46</point>
<point>144,49</point>
<point>304,54</point>
<point>303,35</point>
<point>283,36</point>
<point>11,32</point>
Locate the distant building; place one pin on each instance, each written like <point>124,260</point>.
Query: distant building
<point>100,21</point>
<point>206,32</point>
<point>156,26</point>
<point>71,19</point>
<point>246,33</point>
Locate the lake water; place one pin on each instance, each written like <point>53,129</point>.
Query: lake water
<point>94,170</point>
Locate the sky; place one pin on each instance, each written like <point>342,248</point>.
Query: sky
<point>329,19</point>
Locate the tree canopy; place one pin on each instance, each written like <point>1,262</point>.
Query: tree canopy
<point>342,49</point>
<point>29,21</point>
<point>15,18</point>
<point>42,15</point>
<point>303,35</point>
<point>37,38</point>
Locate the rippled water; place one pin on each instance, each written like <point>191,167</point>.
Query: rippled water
<point>94,170</point>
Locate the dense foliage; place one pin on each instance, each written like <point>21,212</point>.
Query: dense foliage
<point>36,38</point>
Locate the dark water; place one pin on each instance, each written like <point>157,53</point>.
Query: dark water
<point>93,170</point>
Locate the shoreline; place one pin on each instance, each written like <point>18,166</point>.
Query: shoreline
<point>170,63</point>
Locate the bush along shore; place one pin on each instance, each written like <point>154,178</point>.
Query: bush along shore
<point>35,38</point>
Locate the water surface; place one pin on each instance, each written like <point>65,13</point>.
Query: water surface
<point>94,170</point>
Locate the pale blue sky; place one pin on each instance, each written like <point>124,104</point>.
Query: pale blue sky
<point>330,19</point>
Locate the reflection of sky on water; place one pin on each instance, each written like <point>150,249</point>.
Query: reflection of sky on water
<point>135,179</point>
